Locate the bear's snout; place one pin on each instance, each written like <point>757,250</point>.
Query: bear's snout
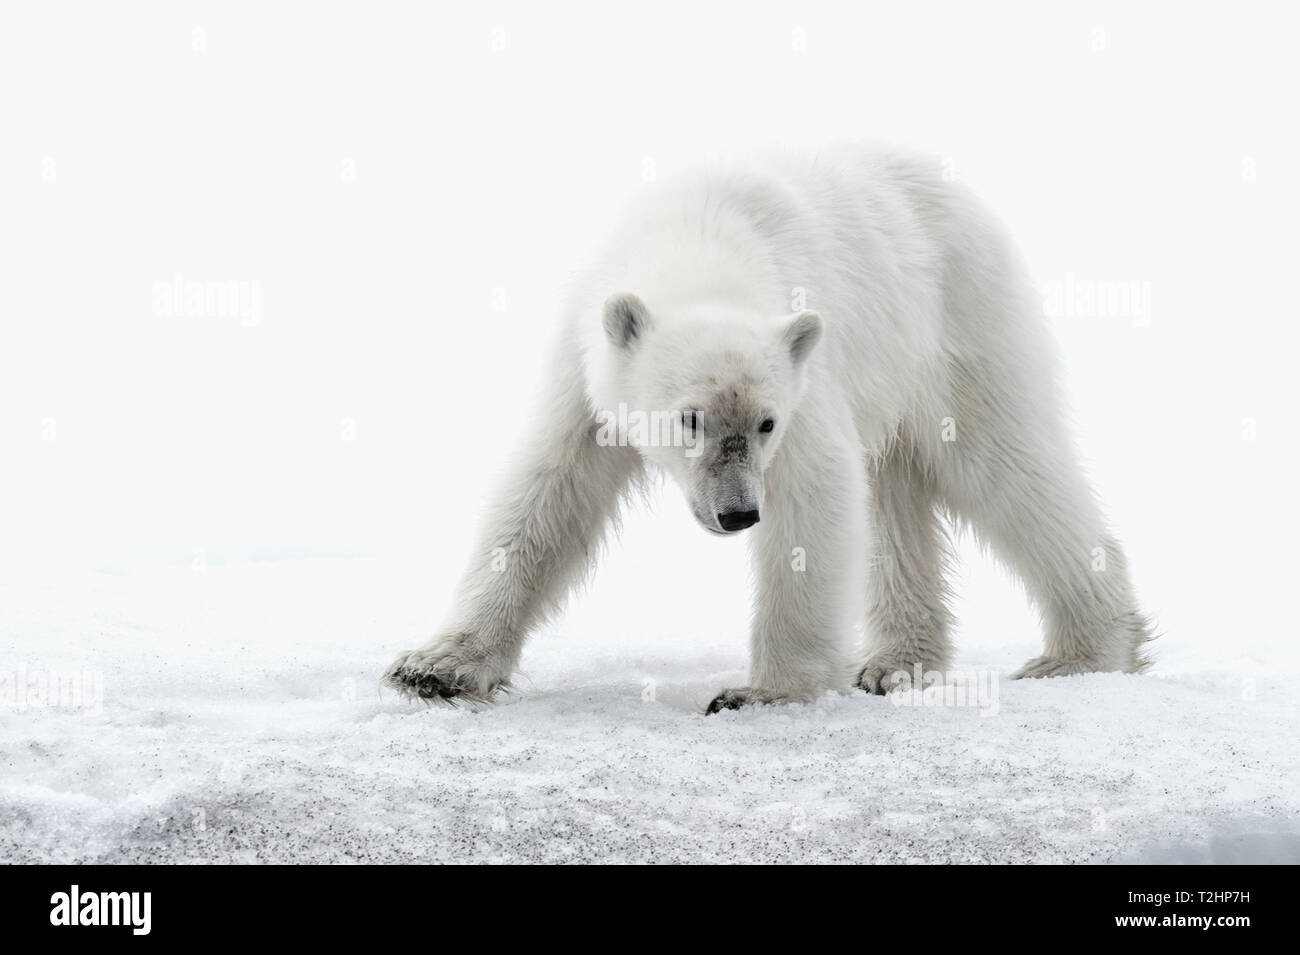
<point>737,520</point>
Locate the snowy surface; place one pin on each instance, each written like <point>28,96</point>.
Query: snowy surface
<point>405,292</point>
<point>241,721</point>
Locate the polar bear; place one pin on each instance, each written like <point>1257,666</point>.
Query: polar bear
<point>849,352</point>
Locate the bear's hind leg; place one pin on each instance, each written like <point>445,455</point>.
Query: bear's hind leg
<point>908,620</point>
<point>1013,477</point>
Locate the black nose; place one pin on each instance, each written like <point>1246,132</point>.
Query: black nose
<point>738,520</point>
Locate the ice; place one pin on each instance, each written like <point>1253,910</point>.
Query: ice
<point>241,720</point>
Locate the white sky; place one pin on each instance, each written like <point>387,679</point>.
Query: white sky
<point>377,174</point>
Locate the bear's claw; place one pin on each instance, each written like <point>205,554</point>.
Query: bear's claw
<point>872,679</point>
<point>744,696</point>
<point>432,676</point>
<point>726,700</point>
<point>422,684</point>
<point>877,676</point>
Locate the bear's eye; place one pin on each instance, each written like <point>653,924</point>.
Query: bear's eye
<point>690,420</point>
<point>767,425</point>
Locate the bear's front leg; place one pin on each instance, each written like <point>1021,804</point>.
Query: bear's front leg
<point>541,532</point>
<point>808,551</point>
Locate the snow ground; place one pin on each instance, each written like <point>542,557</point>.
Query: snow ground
<point>241,721</point>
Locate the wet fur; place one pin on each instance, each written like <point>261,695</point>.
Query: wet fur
<point>928,323</point>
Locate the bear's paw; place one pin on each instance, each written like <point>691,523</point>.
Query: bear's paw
<point>741,696</point>
<point>1040,667</point>
<point>443,673</point>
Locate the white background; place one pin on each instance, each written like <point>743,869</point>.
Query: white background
<point>408,186</point>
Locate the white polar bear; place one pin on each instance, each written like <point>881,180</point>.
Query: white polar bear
<point>849,349</point>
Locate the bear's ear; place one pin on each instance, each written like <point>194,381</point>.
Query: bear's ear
<point>626,319</point>
<point>802,334</point>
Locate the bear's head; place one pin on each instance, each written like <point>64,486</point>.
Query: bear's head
<point>705,391</point>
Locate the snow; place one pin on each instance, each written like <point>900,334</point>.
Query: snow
<point>268,470</point>
<point>241,721</point>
